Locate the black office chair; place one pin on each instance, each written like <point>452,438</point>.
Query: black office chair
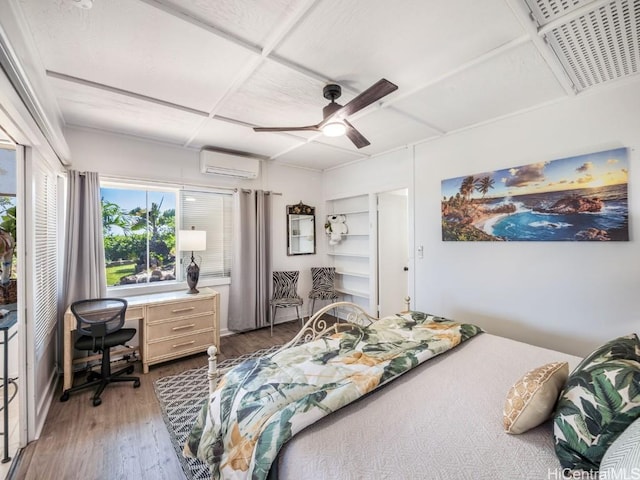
<point>99,328</point>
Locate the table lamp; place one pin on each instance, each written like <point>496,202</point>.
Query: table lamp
<point>194,240</point>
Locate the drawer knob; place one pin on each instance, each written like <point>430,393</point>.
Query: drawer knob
<point>184,344</point>
<point>180,310</point>
<point>184,326</point>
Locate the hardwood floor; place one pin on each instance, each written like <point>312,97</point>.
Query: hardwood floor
<point>125,437</point>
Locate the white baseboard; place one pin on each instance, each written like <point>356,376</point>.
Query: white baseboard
<point>284,319</point>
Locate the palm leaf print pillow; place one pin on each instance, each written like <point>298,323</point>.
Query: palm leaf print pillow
<point>599,401</point>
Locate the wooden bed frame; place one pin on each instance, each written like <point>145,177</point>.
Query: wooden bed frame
<point>316,327</point>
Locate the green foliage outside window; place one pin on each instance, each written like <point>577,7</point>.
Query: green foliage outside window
<point>139,242</point>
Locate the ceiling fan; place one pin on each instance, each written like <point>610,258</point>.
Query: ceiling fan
<point>334,122</point>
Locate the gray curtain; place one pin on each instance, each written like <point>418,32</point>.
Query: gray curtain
<point>84,267</point>
<point>251,263</point>
<point>263,257</point>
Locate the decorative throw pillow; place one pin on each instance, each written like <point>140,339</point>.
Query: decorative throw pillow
<point>531,399</point>
<point>600,400</point>
<point>622,459</point>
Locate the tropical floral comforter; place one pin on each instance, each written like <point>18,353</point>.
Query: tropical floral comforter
<point>261,403</point>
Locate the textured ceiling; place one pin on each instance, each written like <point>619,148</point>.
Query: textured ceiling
<point>201,73</point>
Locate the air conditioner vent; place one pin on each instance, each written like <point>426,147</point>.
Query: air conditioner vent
<point>214,162</point>
<point>594,45</point>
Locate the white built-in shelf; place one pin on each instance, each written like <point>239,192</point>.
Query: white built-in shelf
<point>352,235</point>
<point>351,257</point>
<point>353,274</point>
<point>354,212</point>
<point>355,293</point>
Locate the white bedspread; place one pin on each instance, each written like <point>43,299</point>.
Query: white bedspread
<point>442,420</point>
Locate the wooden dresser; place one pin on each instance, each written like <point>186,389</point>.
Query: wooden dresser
<point>170,325</point>
<point>180,326</point>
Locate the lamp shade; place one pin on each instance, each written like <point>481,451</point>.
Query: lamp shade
<point>334,129</point>
<point>193,240</point>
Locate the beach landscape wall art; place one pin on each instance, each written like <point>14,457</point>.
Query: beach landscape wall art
<point>581,198</point>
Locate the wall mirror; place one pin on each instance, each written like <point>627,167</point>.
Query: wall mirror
<point>301,229</point>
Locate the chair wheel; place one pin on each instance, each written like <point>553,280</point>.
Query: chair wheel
<point>64,397</point>
<point>92,376</point>
<point>97,401</point>
<point>129,369</point>
<point>136,384</point>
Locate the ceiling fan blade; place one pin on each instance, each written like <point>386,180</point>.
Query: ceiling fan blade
<point>313,128</point>
<point>355,136</point>
<point>375,92</point>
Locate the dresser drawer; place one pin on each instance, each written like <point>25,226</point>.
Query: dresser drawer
<point>180,326</point>
<point>179,346</point>
<point>134,313</point>
<point>179,309</point>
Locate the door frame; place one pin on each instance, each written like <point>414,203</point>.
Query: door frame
<point>410,246</point>
<point>21,272</point>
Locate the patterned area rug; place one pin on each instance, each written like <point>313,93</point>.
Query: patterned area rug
<point>181,398</point>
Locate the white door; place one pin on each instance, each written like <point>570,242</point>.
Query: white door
<point>393,251</point>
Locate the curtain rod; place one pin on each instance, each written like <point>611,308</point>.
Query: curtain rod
<point>183,186</point>
<point>248,190</point>
<point>116,178</point>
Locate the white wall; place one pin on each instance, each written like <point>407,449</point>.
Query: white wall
<point>385,173</point>
<point>296,185</point>
<point>123,156</point>
<point>569,296</point>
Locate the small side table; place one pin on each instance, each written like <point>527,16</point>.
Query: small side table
<point>5,325</point>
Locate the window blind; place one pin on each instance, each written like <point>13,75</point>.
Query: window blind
<point>212,212</point>
<point>46,254</point>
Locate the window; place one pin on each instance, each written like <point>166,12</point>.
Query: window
<point>8,224</point>
<point>8,252</point>
<point>141,225</point>
<point>139,235</point>
<point>45,208</point>
<point>210,212</point>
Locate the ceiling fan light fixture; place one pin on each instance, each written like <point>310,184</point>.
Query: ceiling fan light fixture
<point>334,129</point>
<point>334,116</point>
<point>83,4</point>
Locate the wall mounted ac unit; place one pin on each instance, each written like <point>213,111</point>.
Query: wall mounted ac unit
<point>213,162</point>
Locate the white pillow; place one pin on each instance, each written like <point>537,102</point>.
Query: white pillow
<point>622,459</point>
<point>531,399</point>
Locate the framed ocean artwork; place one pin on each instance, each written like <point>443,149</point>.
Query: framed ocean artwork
<point>581,198</point>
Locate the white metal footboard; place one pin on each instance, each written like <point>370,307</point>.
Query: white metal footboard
<point>316,327</point>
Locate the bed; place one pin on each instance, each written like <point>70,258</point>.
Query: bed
<point>441,418</point>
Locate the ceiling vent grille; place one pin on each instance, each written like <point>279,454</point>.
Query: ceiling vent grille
<point>545,11</point>
<point>595,45</point>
